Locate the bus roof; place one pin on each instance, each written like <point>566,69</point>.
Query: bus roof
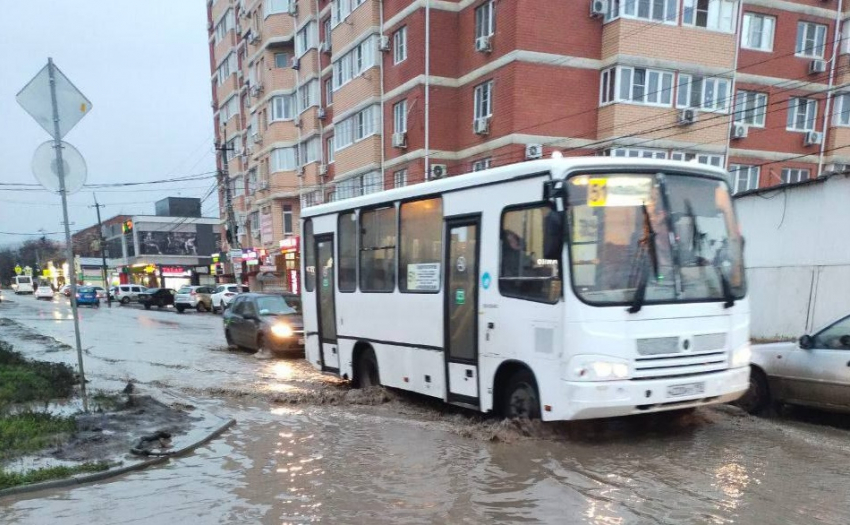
<point>559,167</point>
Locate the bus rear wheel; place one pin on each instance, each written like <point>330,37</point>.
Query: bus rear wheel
<point>367,370</point>
<point>521,399</point>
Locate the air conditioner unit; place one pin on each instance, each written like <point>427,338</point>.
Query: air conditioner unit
<point>296,63</point>
<point>739,131</point>
<point>258,139</point>
<point>323,169</point>
<point>598,8</point>
<point>325,47</point>
<point>837,168</point>
<point>687,116</point>
<point>253,37</point>
<point>438,171</point>
<point>481,126</point>
<point>297,122</point>
<point>384,43</point>
<point>256,90</point>
<point>264,185</point>
<point>300,171</point>
<point>293,9</point>
<point>400,140</point>
<point>533,151</point>
<point>483,44</point>
<point>817,66</point>
<point>248,150</point>
<point>813,138</point>
<point>321,114</point>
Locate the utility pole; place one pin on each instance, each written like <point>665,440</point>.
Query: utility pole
<point>224,181</point>
<point>102,240</point>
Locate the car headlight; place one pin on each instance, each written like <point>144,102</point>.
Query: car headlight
<point>597,368</point>
<point>741,356</point>
<point>282,330</point>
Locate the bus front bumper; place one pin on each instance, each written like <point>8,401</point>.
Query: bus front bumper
<point>598,399</point>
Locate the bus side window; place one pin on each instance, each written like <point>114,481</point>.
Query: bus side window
<point>524,271</point>
<point>309,257</point>
<point>377,249</point>
<point>347,267</point>
<point>420,246</point>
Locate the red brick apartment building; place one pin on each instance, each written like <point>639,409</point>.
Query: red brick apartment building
<point>327,99</point>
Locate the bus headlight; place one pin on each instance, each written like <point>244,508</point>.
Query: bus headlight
<point>741,356</point>
<point>282,330</point>
<point>598,368</point>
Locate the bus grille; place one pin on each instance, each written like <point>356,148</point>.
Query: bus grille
<point>666,356</point>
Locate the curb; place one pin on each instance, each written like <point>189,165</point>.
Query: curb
<point>118,471</point>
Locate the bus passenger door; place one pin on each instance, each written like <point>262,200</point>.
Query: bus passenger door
<point>326,302</point>
<point>461,310</point>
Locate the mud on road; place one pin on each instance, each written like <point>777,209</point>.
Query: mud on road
<point>307,448</point>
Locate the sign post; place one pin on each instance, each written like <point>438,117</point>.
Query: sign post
<point>74,106</point>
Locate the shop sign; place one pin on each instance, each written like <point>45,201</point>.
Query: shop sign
<point>175,271</point>
<point>216,257</point>
<point>293,281</point>
<point>289,245</point>
<point>203,270</point>
<point>212,269</point>
<point>249,255</point>
<point>268,268</point>
<point>236,255</point>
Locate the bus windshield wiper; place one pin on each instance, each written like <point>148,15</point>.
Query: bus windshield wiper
<point>696,243</point>
<point>649,241</point>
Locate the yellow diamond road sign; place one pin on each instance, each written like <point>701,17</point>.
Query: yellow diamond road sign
<point>35,99</point>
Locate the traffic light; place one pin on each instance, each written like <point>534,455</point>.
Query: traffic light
<point>127,226</point>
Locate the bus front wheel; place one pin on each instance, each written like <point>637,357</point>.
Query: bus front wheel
<point>367,370</point>
<point>521,399</point>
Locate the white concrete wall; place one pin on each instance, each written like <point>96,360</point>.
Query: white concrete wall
<point>797,256</point>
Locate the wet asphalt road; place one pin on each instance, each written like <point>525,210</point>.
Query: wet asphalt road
<point>306,449</point>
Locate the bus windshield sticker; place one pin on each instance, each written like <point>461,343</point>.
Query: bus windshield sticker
<point>461,264</point>
<point>485,280</point>
<point>625,190</point>
<point>597,192</point>
<point>460,296</point>
<point>423,277</point>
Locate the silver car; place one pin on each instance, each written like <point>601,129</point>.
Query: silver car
<point>815,371</point>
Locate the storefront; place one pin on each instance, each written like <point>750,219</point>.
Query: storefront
<point>288,263</point>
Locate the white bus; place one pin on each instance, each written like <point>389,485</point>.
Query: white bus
<point>566,288</point>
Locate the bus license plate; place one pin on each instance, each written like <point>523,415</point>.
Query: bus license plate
<point>688,389</point>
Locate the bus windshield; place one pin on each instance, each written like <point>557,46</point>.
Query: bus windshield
<point>671,234</point>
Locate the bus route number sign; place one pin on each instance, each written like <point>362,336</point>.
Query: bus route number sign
<point>597,192</point>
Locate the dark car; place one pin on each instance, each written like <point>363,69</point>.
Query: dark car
<point>265,322</point>
<point>159,297</point>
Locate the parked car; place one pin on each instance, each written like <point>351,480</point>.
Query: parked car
<point>814,371</point>
<point>125,293</point>
<point>87,295</point>
<point>100,291</point>
<point>65,290</point>
<point>44,292</point>
<point>197,297</point>
<point>265,322</point>
<point>223,295</point>
<point>159,297</point>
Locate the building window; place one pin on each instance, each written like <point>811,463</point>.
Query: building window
<point>329,92</point>
<point>811,40</point>
<point>282,60</point>
<point>707,94</point>
<point>801,114</point>
<point>400,117</point>
<point>524,273</point>
<point>636,153</point>
<point>340,9</point>
<point>377,249</point>
<point>283,107</point>
<point>659,10</point>
<point>355,62</point>
<point>306,39</point>
<point>400,178</point>
<point>251,187</point>
<point>227,23</point>
<point>237,187</point>
<point>287,220</point>
<point>483,100</point>
<point>420,246</point>
<point>717,15</point>
<point>792,175</point>
<point>273,7</point>
<point>330,145</point>
<point>308,151</point>
<point>308,95</point>
<point>842,109</point>
<point>357,127</point>
<point>229,109</point>
<point>744,178</point>
<point>227,67</point>
<point>283,159</point>
<point>643,86</point>
<point>400,45</point>
<point>607,86</point>
<point>701,158</point>
<point>757,32</point>
<point>481,164</point>
<point>347,267</point>
<point>485,19</point>
<point>750,108</point>
<point>326,29</point>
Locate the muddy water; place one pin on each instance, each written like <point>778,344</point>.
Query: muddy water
<point>307,449</point>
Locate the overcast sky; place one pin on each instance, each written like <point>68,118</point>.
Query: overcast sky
<point>145,68</point>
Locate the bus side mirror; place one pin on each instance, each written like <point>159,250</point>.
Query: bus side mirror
<point>553,235</point>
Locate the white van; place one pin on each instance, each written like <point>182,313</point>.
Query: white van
<point>23,284</point>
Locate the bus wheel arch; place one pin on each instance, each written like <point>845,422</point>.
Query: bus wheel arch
<point>364,366</point>
<point>515,391</point>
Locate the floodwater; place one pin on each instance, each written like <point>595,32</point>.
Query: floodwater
<point>307,449</point>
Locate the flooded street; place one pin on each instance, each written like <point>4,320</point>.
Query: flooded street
<point>308,449</point>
